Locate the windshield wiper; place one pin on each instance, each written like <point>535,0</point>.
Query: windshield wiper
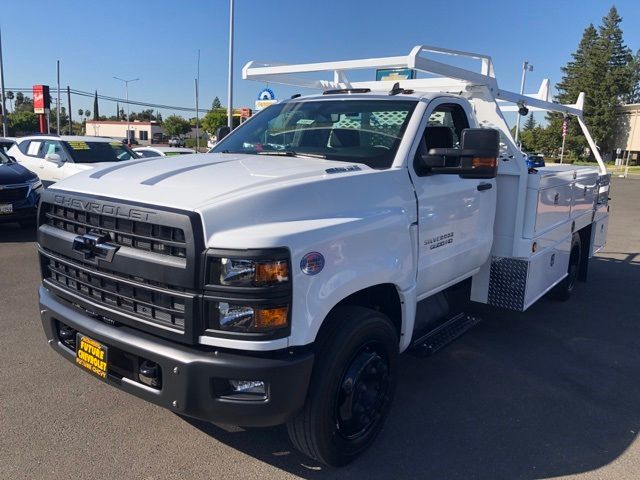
<point>291,153</point>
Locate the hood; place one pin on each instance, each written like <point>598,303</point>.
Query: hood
<point>14,173</point>
<point>192,181</point>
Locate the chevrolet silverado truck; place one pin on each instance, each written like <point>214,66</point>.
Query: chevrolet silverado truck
<point>277,279</point>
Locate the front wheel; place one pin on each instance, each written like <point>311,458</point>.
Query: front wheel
<point>351,387</point>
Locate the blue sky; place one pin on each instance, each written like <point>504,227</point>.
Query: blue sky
<point>158,41</point>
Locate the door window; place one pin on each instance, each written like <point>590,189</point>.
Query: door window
<point>443,130</point>
<point>52,146</point>
<point>31,148</point>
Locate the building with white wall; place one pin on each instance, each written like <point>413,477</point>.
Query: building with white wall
<point>627,134</point>
<point>143,132</point>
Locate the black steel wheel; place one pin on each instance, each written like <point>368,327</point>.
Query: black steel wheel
<point>351,387</point>
<point>363,393</point>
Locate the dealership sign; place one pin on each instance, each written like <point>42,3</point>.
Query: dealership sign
<point>41,99</point>
<point>266,97</point>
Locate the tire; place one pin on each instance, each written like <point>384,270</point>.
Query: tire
<point>565,288</point>
<point>351,388</point>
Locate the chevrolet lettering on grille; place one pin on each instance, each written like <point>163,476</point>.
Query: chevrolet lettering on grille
<point>95,247</point>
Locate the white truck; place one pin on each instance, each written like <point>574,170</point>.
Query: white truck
<point>277,279</point>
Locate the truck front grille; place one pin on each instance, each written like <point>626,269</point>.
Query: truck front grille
<point>13,193</point>
<point>123,231</point>
<point>150,303</point>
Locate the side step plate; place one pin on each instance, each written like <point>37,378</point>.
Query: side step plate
<point>443,335</point>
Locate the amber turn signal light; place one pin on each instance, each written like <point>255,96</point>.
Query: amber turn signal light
<point>270,318</point>
<point>483,162</point>
<point>272,272</point>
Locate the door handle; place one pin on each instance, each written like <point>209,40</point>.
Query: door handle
<point>484,186</point>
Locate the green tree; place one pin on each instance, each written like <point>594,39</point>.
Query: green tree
<point>216,104</point>
<point>175,125</point>
<point>9,95</point>
<point>213,120</point>
<point>530,123</point>
<point>96,114</point>
<point>23,122</point>
<point>634,95</point>
<point>23,103</point>
<point>87,113</point>
<point>604,68</point>
<point>80,113</point>
<point>615,61</point>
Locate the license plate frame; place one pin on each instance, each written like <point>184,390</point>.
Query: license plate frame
<point>6,208</point>
<point>92,356</point>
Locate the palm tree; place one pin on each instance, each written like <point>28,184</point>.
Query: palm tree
<point>10,96</point>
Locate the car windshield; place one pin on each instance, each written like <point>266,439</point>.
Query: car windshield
<point>98,152</point>
<point>361,131</point>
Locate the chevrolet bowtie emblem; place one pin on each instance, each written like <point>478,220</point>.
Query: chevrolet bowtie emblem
<point>95,247</point>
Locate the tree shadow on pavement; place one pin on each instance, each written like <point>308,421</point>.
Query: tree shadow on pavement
<point>549,392</point>
<point>11,232</point>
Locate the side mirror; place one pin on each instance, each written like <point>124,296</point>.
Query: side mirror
<point>54,158</point>
<point>222,132</point>
<point>13,159</point>
<point>478,157</point>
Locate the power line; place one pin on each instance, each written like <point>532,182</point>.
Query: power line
<point>82,93</point>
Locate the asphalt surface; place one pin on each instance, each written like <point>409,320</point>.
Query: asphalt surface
<point>553,392</point>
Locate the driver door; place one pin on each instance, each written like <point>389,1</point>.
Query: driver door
<point>455,215</point>
<point>51,172</point>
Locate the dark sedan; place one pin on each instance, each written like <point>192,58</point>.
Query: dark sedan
<point>19,192</point>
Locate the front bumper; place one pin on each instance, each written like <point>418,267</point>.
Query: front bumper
<point>190,376</point>
<point>20,214</point>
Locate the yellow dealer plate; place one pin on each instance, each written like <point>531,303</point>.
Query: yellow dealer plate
<point>92,355</point>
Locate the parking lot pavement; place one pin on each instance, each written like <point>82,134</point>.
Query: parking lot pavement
<point>553,392</point>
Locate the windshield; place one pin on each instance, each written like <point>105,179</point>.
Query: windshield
<point>98,152</point>
<point>361,131</point>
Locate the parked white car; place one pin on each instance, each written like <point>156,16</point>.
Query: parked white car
<point>149,152</point>
<point>54,158</point>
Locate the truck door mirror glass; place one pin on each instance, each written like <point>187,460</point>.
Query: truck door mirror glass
<point>54,158</point>
<point>478,157</point>
<point>222,132</point>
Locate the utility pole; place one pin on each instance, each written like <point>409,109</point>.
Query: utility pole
<point>126,87</point>
<point>2,96</point>
<point>526,66</point>
<point>197,120</point>
<point>69,106</point>
<point>230,80</point>
<point>58,104</point>
<point>197,112</point>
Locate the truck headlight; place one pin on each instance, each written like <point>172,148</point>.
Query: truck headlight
<point>234,317</point>
<point>248,269</point>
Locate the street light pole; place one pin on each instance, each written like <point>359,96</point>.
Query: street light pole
<point>525,66</point>
<point>58,104</point>
<point>2,95</point>
<point>126,87</point>
<point>230,81</point>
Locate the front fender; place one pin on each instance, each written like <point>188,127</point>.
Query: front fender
<point>359,253</point>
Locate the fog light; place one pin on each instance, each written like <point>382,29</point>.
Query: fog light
<point>256,387</point>
<point>67,336</point>
<point>149,374</point>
